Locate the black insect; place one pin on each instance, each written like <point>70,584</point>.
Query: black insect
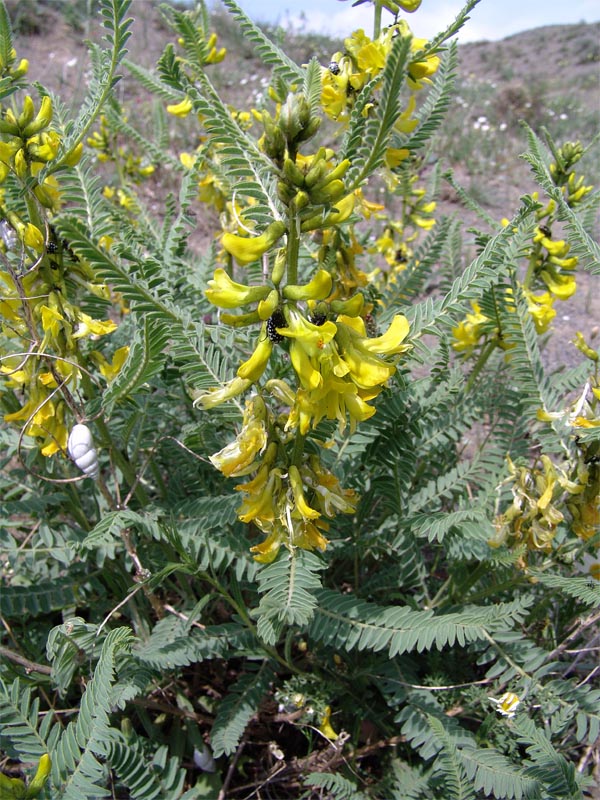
<point>276,320</point>
<point>318,318</point>
<point>52,247</point>
<point>400,255</point>
<point>334,68</point>
<point>545,230</point>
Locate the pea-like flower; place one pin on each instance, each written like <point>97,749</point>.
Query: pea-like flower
<point>246,249</point>
<point>238,458</point>
<point>339,367</point>
<point>507,704</point>
<point>224,292</point>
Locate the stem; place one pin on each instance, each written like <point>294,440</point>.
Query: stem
<point>122,463</point>
<point>30,666</point>
<point>293,248</point>
<point>377,20</point>
<point>479,365</point>
<point>240,608</point>
<point>531,267</point>
<point>298,450</point>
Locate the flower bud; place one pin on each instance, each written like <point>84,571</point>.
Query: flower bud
<point>279,266</point>
<point>214,397</point>
<point>41,120</point>
<point>254,367</point>
<point>351,307</point>
<point>37,783</point>
<point>294,117</point>
<point>298,492</point>
<point>28,112</point>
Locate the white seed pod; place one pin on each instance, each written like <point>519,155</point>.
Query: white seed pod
<point>81,449</point>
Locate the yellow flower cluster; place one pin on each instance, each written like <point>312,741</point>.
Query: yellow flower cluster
<point>533,517</point>
<point>334,368</point>
<point>550,260</point>
<point>363,60</point>
<point>36,313</point>
<point>338,367</point>
<point>543,494</point>
<point>550,269</point>
<point>394,244</point>
<point>583,481</point>
<point>129,165</point>
<point>470,330</point>
<point>275,498</point>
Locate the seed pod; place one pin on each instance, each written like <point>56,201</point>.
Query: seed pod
<point>81,449</point>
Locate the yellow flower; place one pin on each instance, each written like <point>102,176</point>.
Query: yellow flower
<point>44,147</point>
<point>187,159</point>
<point>419,71</point>
<point>31,236</point>
<point>110,369</point>
<point>316,289</point>
<point>300,501</point>
<point>52,322</point>
<point>254,367</point>
<point>469,331</point>
<point>86,326</point>
<point>329,495</point>
<point>214,397</point>
<point>307,534</point>
<point>238,457</point>
<point>541,310</point>
<point>558,248</point>
<point>262,493</point>
<point>267,550</point>
<point>246,249</point>
<point>223,292</point>
<point>507,704</point>
<point>391,342</point>
<point>181,109</point>
<point>360,354</point>
<point>325,725</point>
<point>394,156</point>
<point>214,56</point>
<point>562,286</point>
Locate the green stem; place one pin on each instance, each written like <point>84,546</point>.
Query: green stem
<point>531,268</point>
<point>377,20</point>
<point>293,246</point>
<point>240,608</point>
<point>298,450</point>
<point>486,352</point>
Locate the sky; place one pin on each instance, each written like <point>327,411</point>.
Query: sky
<point>491,19</point>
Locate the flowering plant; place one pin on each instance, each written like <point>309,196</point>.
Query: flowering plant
<point>303,506</point>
